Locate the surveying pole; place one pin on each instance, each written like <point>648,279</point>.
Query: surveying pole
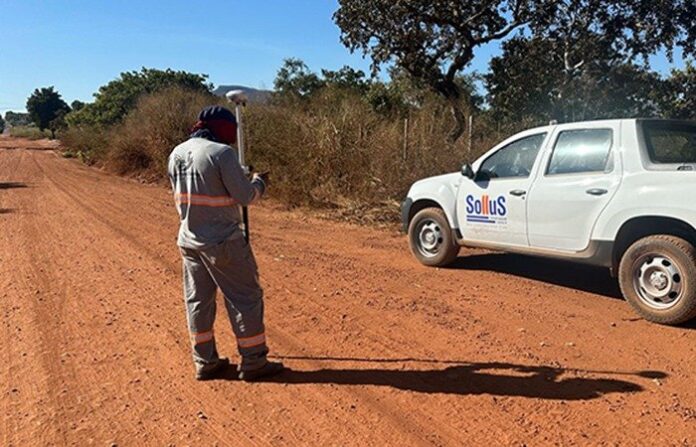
<point>239,99</point>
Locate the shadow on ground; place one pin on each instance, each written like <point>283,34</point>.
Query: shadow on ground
<point>588,278</point>
<point>12,185</point>
<point>6,211</point>
<point>497,379</point>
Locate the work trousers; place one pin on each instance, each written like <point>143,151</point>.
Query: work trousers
<point>231,267</point>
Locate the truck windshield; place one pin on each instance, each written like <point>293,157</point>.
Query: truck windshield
<point>670,142</point>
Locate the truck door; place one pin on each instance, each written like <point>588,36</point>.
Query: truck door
<point>577,179</point>
<point>492,207</point>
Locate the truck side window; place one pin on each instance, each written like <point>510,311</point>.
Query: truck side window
<point>514,160</point>
<point>585,150</point>
<point>670,142</point>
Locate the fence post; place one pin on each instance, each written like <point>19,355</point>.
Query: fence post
<point>471,133</point>
<point>405,149</point>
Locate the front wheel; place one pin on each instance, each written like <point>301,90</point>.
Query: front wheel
<point>431,239</point>
<point>657,275</point>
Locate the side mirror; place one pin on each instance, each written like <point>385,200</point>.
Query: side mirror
<point>468,171</point>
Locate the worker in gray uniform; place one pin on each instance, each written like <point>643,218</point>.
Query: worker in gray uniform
<point>209,187</point>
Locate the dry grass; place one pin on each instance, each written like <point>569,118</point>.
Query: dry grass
<point>331,151</point>
<point>29,132</point>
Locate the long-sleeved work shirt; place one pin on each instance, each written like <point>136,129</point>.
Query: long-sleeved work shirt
<point>209,187</point>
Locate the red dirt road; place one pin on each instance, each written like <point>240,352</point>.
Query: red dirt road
<point>501,349</point>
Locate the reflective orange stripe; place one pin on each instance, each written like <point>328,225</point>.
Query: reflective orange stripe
<point>202,337</point>
<point>202,200</point>
<point>250,342</point>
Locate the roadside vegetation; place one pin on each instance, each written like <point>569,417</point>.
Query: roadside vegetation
<point>354,142</point>
<point>29,132</point>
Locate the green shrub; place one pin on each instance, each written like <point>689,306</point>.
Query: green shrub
<point>119,97</point>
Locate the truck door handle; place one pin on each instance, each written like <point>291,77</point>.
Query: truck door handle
<point>518,192</point>
<point>596,191</point>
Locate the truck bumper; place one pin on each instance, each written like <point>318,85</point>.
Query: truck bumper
<point>405,212</point>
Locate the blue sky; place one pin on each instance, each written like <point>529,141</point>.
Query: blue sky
<point>78,45</point>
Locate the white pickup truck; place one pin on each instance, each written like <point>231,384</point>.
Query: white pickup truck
<point>619,194</point>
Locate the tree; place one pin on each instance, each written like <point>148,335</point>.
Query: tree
<point>530,81</point>
<point>114,100</point>
<point>295,79</point>
<point>347,78</point>
<point>45,105</point>
<point>680,98</point>
<point>77,105</point>
<point>434,40</point>
<point>17,118</point>
<point>2,124</point>
<point>58,123</point>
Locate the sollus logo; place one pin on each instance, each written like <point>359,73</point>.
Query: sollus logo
<point>486,209</point>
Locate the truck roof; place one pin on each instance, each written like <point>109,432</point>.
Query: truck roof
<point>617,120</point>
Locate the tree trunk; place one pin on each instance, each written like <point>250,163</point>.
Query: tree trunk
<point>449,90</point>
<point>459,120</point>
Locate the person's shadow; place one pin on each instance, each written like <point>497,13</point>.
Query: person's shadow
<point>500,379</point>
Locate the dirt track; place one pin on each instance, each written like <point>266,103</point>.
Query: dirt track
<point>501,349</point>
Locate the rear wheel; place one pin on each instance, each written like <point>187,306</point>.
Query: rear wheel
<point>431,239</point>
<point>657,275</point>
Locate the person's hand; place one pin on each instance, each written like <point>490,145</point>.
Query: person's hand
<point>264,176</point>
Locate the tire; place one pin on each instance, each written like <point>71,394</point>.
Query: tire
<point>657,275</point>
<point>431,238</point>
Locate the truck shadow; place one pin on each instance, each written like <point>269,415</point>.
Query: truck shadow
<point>497,379</point>
<point>587,278</point>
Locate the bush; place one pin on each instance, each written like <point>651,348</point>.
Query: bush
<point>142,142</point>
<point>89,144</point>
<point>329,150</point>
<point>29,132</point>
<point>159,122</point>
<point>334,150</point>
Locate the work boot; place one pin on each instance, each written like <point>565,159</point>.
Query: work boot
<point>267,370</point>
<point>214,371</point>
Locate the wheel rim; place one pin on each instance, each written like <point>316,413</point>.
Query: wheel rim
<point>429,238</point>
<point>658,281</point>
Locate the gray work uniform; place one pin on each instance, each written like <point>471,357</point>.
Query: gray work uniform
<point>209,188</point>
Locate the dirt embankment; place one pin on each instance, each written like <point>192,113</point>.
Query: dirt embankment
<point>499,349</point>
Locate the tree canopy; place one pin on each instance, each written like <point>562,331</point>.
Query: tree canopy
<point>296,79</point>
<point>114,100</point>
<point>434,40</point>
<point>77,105</point>
<point>680,98</point>
<point>44,106</point>
<point>529,80</point>
<point>17,118</point>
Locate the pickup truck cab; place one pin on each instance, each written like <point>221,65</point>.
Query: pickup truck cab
<point>618,193</point>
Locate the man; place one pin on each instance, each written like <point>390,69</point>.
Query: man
<point>209,187</point>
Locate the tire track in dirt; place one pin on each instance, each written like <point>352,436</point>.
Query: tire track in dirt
<point>324,311</point>
<point>130,239</point>
<point>70,200</point>
<point>406,422</point>
<point>340,299</point>
<point>125,238</point>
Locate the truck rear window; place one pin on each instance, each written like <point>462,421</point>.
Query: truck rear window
<point>670,142</point>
